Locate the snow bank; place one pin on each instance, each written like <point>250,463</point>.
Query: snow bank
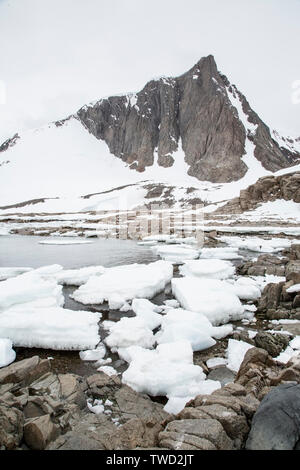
<point>208,268</point>
<point>122,283</point>
<point>30,287</point>
<point>64,242</point>
<point>93,354</point>
<point>7,354</point>
<point>211,297</point>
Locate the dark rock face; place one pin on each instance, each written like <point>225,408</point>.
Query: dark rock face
<point>276,424</point>
<point>194,108</point>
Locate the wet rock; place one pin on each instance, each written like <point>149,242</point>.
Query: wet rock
<point>25,371</point>
<point>276,424</point>
<point>272,343</point>
<point>198,434</point>
<point>11,426</point>
<point>222,374</point>
<point>38,432</point>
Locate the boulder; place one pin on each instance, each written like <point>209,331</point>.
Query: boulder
<point>38,432</point>
<point>276,424</point>
<point>272,343</point>
<point>198,434</point>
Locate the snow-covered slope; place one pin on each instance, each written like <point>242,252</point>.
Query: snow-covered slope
<point>68,166</point>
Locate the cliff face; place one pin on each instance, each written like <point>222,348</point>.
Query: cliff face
<point>197,108</point>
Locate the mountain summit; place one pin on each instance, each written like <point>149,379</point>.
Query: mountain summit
<point>211,117</point>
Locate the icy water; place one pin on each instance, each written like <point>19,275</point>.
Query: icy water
<point>26,251</point>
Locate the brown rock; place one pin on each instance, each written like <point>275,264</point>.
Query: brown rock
<point>11,426</point>
<point>39,432</point>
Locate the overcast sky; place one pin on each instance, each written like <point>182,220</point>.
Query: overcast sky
<point>57,55</point>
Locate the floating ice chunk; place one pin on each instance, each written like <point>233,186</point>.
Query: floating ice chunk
<point>168,370</point>
<point>29,287</point>
<point>235,353</point>
<point>179,325</point>
<point>93,354</point>
<point>148,243</point>
<point>64,242</point>
<point>128,332</point>
<point>128,282</point>
<point>208,268</point>
<point>108,370</point>
<point>176,253</point>
<point>216,362</point>
<point>50,328</point>
<point>77,277</point>
<point>7,354</point>
<point>209,297</point>
<point>6,273</point>
<point>225,253</point>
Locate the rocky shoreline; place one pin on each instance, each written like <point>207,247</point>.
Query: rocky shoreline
<point>40,409</point>
<point>258,407</point>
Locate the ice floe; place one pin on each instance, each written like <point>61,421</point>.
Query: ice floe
<point>180,324</point>
<point>6,273</point>
<point>7,354</point>
<point>168,371</point>
<point>209,297</point>
<point>120,284</point>
<point>208,268</point>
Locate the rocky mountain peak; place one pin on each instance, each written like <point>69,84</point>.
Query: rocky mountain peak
<point>200,111</point>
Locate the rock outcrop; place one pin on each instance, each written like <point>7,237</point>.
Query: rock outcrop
<point>196,109</point>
